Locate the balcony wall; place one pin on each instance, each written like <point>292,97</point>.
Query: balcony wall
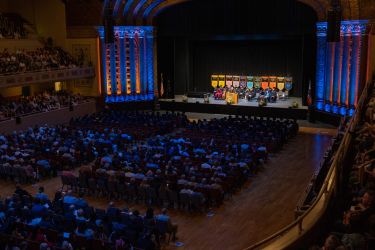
<point>12,45</point>
<point>54,117</point>
<point>7,81</point>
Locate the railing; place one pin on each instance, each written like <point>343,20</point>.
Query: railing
<point>34,71</point>
<point>52,117</point>
<point>301,205</point>
<point>319,176</point>
<point>45,76</point>
<point>62,106</point>
<point>291,233</point>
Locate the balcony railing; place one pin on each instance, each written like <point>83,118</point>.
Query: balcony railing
<point>51,117</point>
<point>289,235</point>
<point>27,78</point>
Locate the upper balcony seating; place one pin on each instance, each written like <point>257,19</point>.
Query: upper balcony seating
<point>47,58</point>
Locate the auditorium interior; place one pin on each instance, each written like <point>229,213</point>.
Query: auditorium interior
<point>186,124</point>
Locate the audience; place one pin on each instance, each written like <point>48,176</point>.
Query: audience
<point>26,156</point>
<point>355,223</point>
<point>42,102</point>
<point>130,125</point>
<point>47,58</point>
<point>192,168</point>
<point>202,163</point>
<point>28,221</point>
<point>199,162</point>
<point>41,195</point>
<point>160,159</point>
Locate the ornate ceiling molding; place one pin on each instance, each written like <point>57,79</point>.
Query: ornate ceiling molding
<point>147,13</point>
<point>143,12</point>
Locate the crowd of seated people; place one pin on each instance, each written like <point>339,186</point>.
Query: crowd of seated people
<point>355,229</point>
<point>152,157</point>
<point>270,132</point>
<point>27,156</point>
<point>11,27</point>
<point>68,222</point>
<point>46,58</point>
<point>141,124</point>
<point>191,169</point>
<point>41,102</point>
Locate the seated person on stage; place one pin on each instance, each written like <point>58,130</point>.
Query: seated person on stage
<point>273,95</point>
<point>282,94</point>
<point>219,93</point>
<point>250,94</point>
<point>262,95</point>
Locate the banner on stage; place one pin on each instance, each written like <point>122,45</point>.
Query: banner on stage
<point>243,82</point>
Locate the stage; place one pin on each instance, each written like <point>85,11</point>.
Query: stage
<point>282,108</point>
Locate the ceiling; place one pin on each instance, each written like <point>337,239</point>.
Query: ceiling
<point>143,12</point>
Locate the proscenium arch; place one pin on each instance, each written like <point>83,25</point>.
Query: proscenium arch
<point>154,7</point>
<point>157,9</point>
<point>143,12</point>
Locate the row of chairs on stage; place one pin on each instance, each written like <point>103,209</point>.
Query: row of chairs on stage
<point>267,95</point>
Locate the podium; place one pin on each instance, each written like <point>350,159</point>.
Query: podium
<point>232,98</point>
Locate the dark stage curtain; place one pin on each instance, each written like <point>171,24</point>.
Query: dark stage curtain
<point>259,58</point>
<point>269,37</point>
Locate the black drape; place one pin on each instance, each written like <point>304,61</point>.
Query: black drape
<point>259,58</point>
<point>258,37</point>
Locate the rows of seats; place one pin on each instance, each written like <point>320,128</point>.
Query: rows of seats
<point>272,133</point>
<point>40,102</point>
<point>178,164</point>
<point>41,59</point>
<point>141,125</point>
<point>192,169</point>
<point>27,156</point>
<point>70,223</point>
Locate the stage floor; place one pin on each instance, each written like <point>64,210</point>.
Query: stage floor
<point>242,102</point>
<point>282,109</point>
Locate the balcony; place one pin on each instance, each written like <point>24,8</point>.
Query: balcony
<point>28,78</point>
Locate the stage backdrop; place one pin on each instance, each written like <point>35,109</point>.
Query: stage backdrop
<point>269,37</point>
<point>260,58</point>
